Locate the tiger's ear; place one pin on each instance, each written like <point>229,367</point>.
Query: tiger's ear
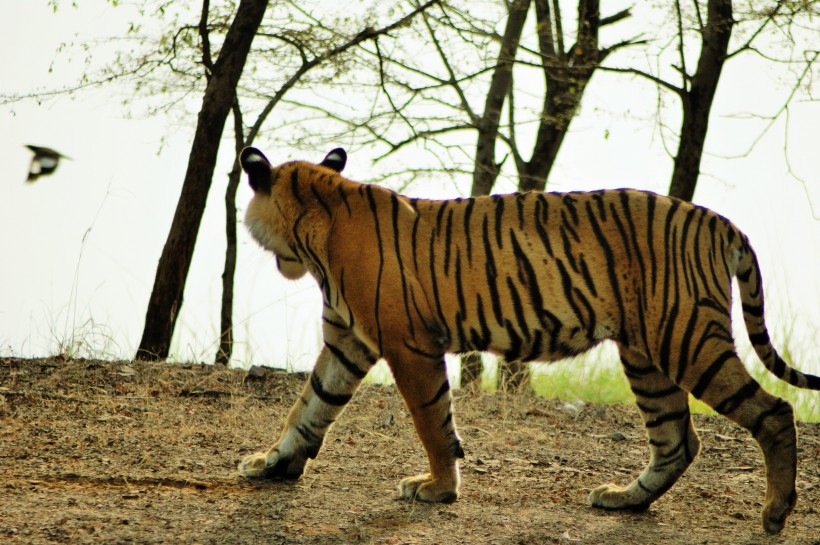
<point>336,160</point>
<point>257,166</point>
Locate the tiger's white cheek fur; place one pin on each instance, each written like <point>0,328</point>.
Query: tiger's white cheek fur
<point>266,227</point>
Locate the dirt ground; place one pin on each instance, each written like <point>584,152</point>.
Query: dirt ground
<point>129,452</point>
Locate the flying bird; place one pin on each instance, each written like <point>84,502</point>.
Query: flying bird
<point>43,163</point>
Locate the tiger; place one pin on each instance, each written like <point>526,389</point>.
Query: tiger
<point>536,276</point>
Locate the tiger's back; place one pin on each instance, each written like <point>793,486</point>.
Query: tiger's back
<point>534,276</point>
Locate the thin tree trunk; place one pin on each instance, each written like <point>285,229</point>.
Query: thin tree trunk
<point>172,271</point>
<point>225,350</point>
<point>697,100</point>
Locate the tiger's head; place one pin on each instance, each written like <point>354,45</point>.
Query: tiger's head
<point>277,204</point>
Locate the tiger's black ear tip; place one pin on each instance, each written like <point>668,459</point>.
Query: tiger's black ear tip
<point>252,156</point>
<point>257,166</point>
<point>336,159</point>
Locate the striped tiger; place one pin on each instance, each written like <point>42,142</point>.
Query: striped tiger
<point>530,276</point>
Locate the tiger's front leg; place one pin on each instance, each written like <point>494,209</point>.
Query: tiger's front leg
<point>342,364</point>
<point>422,382</point>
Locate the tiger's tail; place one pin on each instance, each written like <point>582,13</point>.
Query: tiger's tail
<point>750,282</point>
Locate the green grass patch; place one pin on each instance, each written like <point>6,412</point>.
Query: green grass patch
<point>597,378</point>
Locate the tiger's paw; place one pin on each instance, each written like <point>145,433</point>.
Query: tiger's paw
<point>426,488</point>
<point>611,496</point>
<point>271,465</point>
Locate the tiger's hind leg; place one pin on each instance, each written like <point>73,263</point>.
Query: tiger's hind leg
<point>673,441</point>
<point>725,385</point>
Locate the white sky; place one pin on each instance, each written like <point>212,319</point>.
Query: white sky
<point>79,248</point>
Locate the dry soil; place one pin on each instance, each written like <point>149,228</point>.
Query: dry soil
<point>130,452</point>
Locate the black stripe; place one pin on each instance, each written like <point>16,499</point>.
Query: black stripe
<point>334,323</point>
<point>518,308</point>
<point>519,203</point>
<point>780,367</point>
<point>347,363</point>
<point>414,241</point>
<point>568,227</point>
<point>654,394</point>
<point>442,207</point>
<point>666,342</point>
<point>568,200</point>
<point>568,248</point>
<point>753,310</point>
<point>445,387</point>
<point>647,409</point>
<point>483,342</point>
<point>667,417</point>
<point>635,370</point>
<point>462,304</point>
<point>321,201</point>
<point>394,203</point>
<point>294,185</point>
<point>611,270</point>
<point>375,212</point>
<point>468,211</point>
<point>587,276</point>
<point>499,212</point>
<point>541,221</point>
<point>689,216</point>
<point>343,195</point>
<point>759,338</point>
<point>490,272</point>
<point>448,241</point>
<point>434,281</point>
<point>566,284</point>
<point>780,407</point>
<point>731,403</point>
<point>536,348</point>
<point>530,280</point>
<point>308,434</point>
<point>651,199</point>
<point>743,277</point>
<point>513,353</point>
<point>621,231</point>
<point>688,334</point>
<point>710,373</point>
<point>420,352</point>
<point>645,489</point>
<point>338,400</point>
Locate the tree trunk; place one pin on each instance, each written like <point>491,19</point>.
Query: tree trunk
<point>172,271</point>
<point>225,350</point>
<point>485,170</point>
<point>697,101</point>
<point>566,76</point>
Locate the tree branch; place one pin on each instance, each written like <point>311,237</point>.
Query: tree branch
<point>207,61</point>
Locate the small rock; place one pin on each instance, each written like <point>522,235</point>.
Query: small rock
<point>573,408</point>
<point>617,436</point>
<point>257,371</point>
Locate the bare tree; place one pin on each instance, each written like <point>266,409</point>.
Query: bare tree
<point>219,96</point>
<point>309,61</point>
<point>697,95</point>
